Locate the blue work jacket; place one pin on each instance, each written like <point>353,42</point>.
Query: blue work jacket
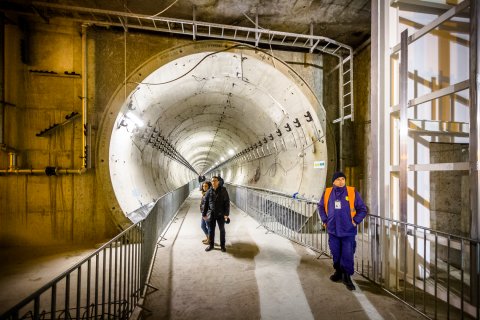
<point>339,221</point>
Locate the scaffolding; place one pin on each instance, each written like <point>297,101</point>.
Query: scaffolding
<point>397,118</point>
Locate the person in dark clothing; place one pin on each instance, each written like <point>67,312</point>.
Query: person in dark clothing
<point>216,211</point>
<point>342,209</point>
<point>200,180</point>
<point>204,223</point>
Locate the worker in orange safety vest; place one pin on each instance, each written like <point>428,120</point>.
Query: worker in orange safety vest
<point>342,209</point>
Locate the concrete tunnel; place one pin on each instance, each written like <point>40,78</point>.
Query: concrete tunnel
<point>106,109</point>
<point>211,101</point>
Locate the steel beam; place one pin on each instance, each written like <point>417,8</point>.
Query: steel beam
<point>457,87</point>
<point>451,166</point>
<point>435,23</point>
<point>421,6</point>
<point>403,126</point>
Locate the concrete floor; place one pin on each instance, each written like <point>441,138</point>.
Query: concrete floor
<point>261,276</point>
<point>25,270</point>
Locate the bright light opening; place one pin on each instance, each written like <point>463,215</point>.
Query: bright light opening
<point>231,152</point>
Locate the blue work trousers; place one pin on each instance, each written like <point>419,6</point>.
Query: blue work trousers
<point>343,250</point>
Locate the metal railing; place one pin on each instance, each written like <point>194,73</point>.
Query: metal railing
<point>108,283</point>
<point>434,272</point>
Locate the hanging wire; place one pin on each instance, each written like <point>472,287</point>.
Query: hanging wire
<point>157,14</point>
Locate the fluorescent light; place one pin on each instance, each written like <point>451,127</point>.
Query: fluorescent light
<point>231,152</point>
<point>222,158</point>
<point>134,118</point>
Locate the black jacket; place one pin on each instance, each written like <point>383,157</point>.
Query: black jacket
<point>217,203</point>
<point>204,198</point>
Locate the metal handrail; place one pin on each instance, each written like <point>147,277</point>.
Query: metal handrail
<point>276,192</point>
<point>432,271</point>
<point>109,282</point>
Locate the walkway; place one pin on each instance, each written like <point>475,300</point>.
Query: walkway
<point>261,276</point>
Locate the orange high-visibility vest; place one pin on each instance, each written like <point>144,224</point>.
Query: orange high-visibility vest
<point>351,200</point>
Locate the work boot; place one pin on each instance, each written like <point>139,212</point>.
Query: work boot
<point>210,247</point>
<point>347,281</point>
<point>206,240</point>
<point>337,276</point>
<point>223,249</point>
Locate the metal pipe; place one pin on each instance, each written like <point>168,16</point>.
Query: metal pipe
<point>70,171</point>
<point>2,77</point>
<point>57,171</point>
<point>12,156</point>
<point>86,130</point>
<point>22,171</point>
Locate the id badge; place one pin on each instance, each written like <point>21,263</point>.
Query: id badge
<point>338,204</point>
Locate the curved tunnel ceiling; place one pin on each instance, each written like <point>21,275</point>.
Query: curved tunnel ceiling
<point>209,106</point>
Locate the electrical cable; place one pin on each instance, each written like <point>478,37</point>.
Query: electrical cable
<point>163,10</point>
<point>193,68</point>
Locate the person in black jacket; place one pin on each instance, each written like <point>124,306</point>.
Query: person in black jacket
<point>216,210</point>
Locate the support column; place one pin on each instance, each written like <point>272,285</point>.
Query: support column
<point>403,126</point>
<point>473,147</point>
<point>474,118</point>
<point>378,107</point>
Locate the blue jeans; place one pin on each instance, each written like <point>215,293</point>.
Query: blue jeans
<point>204,225</point>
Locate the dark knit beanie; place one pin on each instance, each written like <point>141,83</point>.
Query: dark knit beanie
<point>337,175</point>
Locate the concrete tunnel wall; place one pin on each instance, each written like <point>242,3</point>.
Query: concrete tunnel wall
<point>227,97</point>
<point>84,208</point>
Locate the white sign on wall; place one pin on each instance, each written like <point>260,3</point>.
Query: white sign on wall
<point>318,164</point>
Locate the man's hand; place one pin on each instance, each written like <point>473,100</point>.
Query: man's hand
<point>205,218</point>
<point>225,218</point>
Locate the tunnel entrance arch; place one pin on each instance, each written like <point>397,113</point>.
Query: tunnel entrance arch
<point>211,100</point>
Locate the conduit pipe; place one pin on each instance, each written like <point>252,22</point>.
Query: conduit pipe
<point>2,79</point>
<point>49,171</point>
<point>12,156</point>
<point>86,137</point>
